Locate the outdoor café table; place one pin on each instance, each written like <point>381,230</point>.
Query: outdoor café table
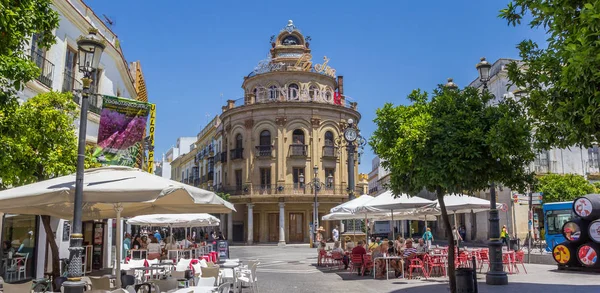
<point>197,289</point>
<point>151,269</point>
<point>387,265</point>
<point>230,265</point>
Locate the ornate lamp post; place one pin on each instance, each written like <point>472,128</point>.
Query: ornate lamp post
<point>353,141</point>
<point>90,49</point>
<point>496,275</point>
<point>316,185</point>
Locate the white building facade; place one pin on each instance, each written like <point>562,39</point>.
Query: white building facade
<point>59,72</point>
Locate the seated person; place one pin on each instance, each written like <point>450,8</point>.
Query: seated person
<point>154,250</point>
<point>349,245</point>
<point>359,250</point>
<point>421,247</point>
<point>379,263</point>
<point>338,249</point>
<point>409,253</point>
<point>374,244</point>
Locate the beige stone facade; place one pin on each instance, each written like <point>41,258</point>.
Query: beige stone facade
<point>290,122</point>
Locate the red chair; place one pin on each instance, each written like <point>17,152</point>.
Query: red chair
<point>356,262</point>
<point>337,258</point>
<point>519,257</point>
<point>417,264</point>
<point>484,258</point>
<point>367,264</point>
<point>435,262</point>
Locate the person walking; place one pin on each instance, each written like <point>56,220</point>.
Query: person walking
<point>335,234</point>
<point>505,237</point>
<point>457,238</point>
<point>428,238</point>
<point>126,245</point>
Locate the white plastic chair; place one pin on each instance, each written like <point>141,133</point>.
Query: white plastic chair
<point>206,282</point>
<point>224,288</point>
<point>249,276</point>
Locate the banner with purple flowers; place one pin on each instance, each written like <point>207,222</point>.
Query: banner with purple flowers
<point>122,131</point>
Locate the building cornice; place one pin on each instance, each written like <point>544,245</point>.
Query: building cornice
<point>290,105</point>
<point>75,16</point>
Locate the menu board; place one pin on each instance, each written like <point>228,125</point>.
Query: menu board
<point>223,249</point>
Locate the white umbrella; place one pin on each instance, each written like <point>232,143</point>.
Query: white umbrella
<point>111,192</point>
<point>457,204</point>
<point>350,206</point>
<point>389,201</point>
<point>175,220</point>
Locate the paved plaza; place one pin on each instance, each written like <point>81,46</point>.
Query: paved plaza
<point>292,269</point>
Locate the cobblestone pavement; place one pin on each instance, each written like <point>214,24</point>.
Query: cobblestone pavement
<point>293,269</point>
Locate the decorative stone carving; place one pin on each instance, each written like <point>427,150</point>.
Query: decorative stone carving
<point>281,121</point>
<point>249,123</point>
<point>228,128</point>
<point>315,122</point>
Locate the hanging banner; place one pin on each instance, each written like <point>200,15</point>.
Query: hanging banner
<point>150,163</point>
<point>121,131</point>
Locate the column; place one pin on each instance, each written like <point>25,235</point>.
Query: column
<point>230,227</point>
<point>222,223</point>
<point>250,228</point>
<point>281,224</point>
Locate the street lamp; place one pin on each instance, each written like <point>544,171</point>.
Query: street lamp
<point>496,274</point>
<point>451,85</point>
<point>316,184</point>
<point>330,181</point>
<point>90,49</point>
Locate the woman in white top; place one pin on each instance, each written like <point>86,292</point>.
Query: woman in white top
<point>154,250</point>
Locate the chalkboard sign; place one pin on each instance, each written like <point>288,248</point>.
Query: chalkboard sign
<point>66,232</point>
<point>223,249</point>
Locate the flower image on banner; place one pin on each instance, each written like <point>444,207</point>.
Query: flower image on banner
<point>121,132</point>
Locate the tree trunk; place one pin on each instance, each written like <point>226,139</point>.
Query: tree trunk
<point>53,248</point>
<point>447,226</point>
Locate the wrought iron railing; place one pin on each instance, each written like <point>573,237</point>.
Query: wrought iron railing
<point>46,67</point>
<point>237,154</point>
<point>224,157</point>
<point>298,150</point>
<point>264,151</point>
<point>330,152</point>
<point>70,82</point>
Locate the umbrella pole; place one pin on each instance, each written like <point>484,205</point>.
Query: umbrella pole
<point>119,209</point>
<point>393,225</point>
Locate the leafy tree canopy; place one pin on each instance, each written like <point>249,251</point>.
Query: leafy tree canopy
<point>562,80</point>
<point>457,141</point>
<point>223,195</point>
<point>557,187</point>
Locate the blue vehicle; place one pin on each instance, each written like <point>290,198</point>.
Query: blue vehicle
<point>556,214</point>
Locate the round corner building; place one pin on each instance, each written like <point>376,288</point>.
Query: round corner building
<point>289,122</point>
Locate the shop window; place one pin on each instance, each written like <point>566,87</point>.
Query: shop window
<point>19,246</point>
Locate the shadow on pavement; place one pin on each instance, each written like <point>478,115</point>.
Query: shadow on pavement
<point>520,287</point>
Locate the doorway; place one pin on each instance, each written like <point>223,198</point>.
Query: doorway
<point>273,227</point>
<point>296,225</point>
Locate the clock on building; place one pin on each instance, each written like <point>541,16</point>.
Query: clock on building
<point>350,134</point>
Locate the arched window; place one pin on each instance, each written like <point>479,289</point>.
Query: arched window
<point>293,91</point>
<point>313,92</point>
<point>265,138</point>
<point>329,138</point>
<point>273,93</point>
<point>328,96</point>
<point>239,142</point>
<point>298,137</point>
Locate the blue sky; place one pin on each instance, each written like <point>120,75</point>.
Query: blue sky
<point>194,51</point>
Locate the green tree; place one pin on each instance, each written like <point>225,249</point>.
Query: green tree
<point>456,142</point>
<point>42,145</point>
<point>562,79</point>
<point>557,187</point>
<point>223,195</point>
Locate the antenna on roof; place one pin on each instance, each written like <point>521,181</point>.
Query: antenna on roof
<point>108,21</point>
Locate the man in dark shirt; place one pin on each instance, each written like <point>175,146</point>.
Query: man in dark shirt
<point>359,250</point>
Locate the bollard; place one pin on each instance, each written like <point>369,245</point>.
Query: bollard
<point>474,262</point>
